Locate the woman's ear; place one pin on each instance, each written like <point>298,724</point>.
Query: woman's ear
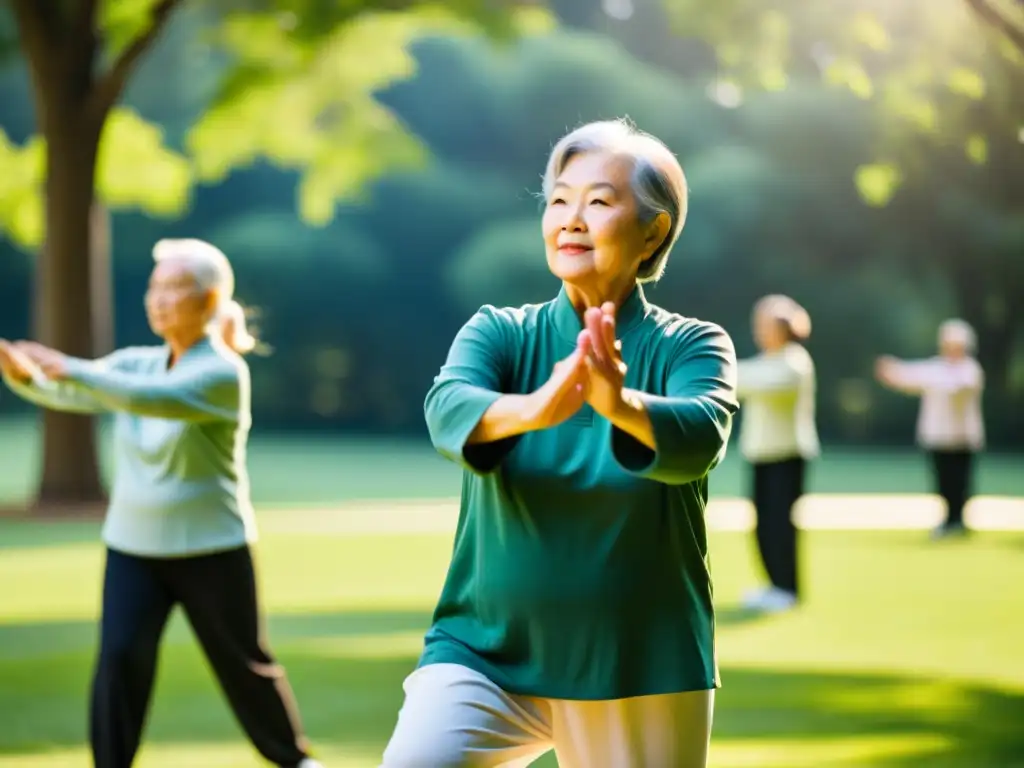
<point>657,231</point>
<point>210,303</point>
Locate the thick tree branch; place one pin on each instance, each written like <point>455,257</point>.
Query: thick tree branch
<point>111,85</point>
<point>39,35</point>
<point>85,19</point>
<point>988,13</point>
<point>34,19</point>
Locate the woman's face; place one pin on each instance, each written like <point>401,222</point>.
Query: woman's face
<point>952,348</point>
<point>592,233</point>
<point>175,307</point>
<point>769,333</point>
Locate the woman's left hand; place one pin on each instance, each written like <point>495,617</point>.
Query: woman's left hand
<point>607,371</point>
<point>50,361</point>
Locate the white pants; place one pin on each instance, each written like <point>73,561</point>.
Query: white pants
<point>454,717</point>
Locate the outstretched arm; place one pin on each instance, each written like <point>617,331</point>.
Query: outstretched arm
<point>26,379</point>
<point>206,387</point>
<point>197,391</point>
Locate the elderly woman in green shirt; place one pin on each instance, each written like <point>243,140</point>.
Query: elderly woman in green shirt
<point>180,522</point>
<point>577,612</point>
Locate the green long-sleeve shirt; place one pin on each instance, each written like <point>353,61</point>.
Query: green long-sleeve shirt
<point>580,567</point>
<point>180,484</point>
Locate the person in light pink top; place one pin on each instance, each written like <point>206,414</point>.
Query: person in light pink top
<point>950,426</point>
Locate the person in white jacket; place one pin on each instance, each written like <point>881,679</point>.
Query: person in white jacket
<point>950,426</point>
<point>778,436</point>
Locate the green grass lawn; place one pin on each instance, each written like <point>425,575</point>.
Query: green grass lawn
<point>328,470</point>
<point>907,653</point>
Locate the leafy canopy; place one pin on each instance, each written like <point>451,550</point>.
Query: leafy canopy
<point>299,86</point>
<point>941,72</point>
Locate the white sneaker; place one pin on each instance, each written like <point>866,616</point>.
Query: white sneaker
<point>309,762</point>
<point>770,600</point>
<point>752,597</point>
<point>948,530</point>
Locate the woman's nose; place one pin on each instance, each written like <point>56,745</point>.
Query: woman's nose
<point>575,222</point>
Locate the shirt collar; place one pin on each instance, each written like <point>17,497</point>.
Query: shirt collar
<point>203,345</point>
<point>569,324</point>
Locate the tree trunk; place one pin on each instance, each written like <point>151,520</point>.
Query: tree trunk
<point>101,285</point>
<point>69,271</point>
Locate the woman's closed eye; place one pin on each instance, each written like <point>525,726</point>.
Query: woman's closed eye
<point>599,201</point>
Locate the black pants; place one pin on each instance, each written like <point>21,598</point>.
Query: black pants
<point>218,594</point>
<point>953,474</point>
<point>777,486</point>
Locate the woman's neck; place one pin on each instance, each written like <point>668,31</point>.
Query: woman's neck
<point>583,297</point>
<point>182,343</point>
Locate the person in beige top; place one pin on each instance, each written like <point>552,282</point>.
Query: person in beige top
<point>778,436</point>
<point>950,426</point>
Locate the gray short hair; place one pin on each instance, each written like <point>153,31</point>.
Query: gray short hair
<point>658,182</point>
<point>957,331</point>
<point>212,272</point>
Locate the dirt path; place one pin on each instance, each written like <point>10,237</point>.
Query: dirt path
<point>816,512</point>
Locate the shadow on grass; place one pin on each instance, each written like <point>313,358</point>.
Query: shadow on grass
<point>736,615</point>
<point>347,670</point>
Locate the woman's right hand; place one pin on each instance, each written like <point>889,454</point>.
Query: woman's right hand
<point>883,368</point>
<point>13,363</point>
<point>564,393</point>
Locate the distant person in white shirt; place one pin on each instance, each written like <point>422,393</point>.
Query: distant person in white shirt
<point>949,425</point>
<point>778,436</point>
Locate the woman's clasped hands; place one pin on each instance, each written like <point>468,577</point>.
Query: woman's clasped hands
<point>594,373</point>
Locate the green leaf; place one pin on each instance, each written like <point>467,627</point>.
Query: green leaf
<point>21,203</point>
<point>773,78</point>
<point>1011,52</point>
<point>914,108</point>
<point>135,169</point>
<point>849,72</point>
<point>121,21</point>
<point>977,149</point>
<point>533,21</point>
<point>867,30</point>
<point>877,183</point>
<point>311,106</point>
<point>367,142</point>
<point>966,82</point>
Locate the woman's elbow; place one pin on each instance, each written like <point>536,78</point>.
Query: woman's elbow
<point>433,415</point>
<point>713,443</point>
<point>441,406</point>
<point>700,454</point>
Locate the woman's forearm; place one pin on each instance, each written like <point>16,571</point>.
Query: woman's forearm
<point>632,418</point>
<point>508,416</point>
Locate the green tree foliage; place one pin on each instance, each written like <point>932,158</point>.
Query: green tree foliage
<point>295,84</point>
<point>926,64</point>
<point>944,80</point>
<point>361,311</point>
<point>297,87</point>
